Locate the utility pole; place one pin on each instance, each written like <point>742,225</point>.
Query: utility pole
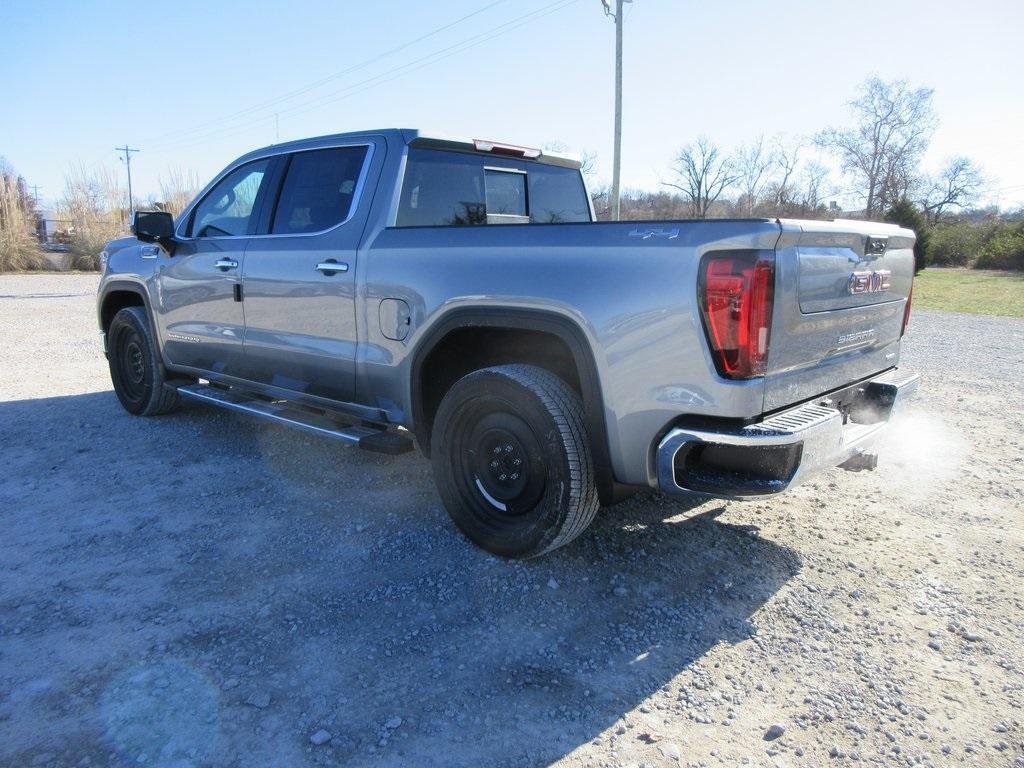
<point>617,156</point>
<point>40,221</point>
<point>128,163</point>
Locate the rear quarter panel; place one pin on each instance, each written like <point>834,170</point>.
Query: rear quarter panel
<point>630,287</point>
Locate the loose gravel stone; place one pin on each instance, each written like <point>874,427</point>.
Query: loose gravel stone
<point>294,600</point>
<point>320,738</point>
<point>671,751</point>
<point>260,700</point>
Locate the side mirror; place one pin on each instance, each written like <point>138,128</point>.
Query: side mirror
<point>154,227</point>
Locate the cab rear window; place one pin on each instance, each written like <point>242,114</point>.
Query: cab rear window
<point>446,189</point>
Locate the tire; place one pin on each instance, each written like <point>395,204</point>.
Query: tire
<point>512,460</point>
<point>135,368</point>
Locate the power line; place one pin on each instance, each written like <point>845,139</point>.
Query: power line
<point>388,75</point>
<point>322,81</point>
<point>381,78</point>
<point>436,56</point>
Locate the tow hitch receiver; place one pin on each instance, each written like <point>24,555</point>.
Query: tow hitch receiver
<point>860,461</point>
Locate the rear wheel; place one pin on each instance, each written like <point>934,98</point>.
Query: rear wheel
<point>135,368</point>
<point>512,460</point>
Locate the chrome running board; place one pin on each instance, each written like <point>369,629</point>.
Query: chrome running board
<point>291,415</point>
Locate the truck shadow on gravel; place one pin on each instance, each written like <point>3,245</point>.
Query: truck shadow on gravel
<point>228,589</point>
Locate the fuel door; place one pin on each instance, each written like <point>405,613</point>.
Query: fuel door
<point>395,319</point>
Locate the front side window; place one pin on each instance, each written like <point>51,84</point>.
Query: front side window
<point>229,208</point>
<point>445,188</point>
<point>318,189</point>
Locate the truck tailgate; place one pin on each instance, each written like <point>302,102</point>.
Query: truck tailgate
<point>840,293</point>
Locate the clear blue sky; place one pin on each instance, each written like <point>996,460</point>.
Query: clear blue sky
<point>171,79</point>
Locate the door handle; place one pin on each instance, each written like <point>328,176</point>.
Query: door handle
<point>225,264</point>
<point>331,266</point>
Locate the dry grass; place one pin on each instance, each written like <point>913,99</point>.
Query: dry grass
<point>94,204</point>
<point>19,248</point>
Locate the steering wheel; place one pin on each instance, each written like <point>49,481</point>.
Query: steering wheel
<point>207,228</point>
<point>229,200</point>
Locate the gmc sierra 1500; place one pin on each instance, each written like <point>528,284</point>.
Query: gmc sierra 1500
<point>357,286</point>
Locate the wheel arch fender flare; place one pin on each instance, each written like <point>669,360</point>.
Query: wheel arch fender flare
<point>569,331</point>
<point>122,286</point>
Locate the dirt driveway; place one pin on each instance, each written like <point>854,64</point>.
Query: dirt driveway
<point>201,589</point>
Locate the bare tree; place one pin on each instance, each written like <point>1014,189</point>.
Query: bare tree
<point>812,187</point>
<point>588,164</point>
<point>703,173</point>
<point>601,197</point>
<point>786,159</point>
<point>956,186</point>
<point>883,150</point>
<point>177,189</point>
<point>94,204</point>
<point>753,163</point>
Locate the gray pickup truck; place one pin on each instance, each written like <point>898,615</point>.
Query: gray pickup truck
<point>359,286</point>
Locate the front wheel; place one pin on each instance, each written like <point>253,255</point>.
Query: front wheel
<point>135,367</point>
<point>512,460</point>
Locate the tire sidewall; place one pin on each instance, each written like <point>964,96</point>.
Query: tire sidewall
<point>469,400</point>
<point>131,324</point>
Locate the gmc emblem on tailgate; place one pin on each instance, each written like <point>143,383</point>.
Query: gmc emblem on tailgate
<point>869,282</point>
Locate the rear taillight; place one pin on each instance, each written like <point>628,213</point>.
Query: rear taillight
<point>906,309</point>
<point>736,297</point>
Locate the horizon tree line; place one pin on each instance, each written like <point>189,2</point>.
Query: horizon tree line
<point>879,154</point>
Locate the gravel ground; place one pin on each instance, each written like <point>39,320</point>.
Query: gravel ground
<point>202,589</point>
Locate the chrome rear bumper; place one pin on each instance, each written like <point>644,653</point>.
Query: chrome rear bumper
<point>783,450</point>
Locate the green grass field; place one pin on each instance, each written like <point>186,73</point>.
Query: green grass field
<point>980,292</point>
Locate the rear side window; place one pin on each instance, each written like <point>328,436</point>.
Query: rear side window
<point>558,197</point>
<point>318,190</point>
<point>443,188</point>
<point>228,208</point>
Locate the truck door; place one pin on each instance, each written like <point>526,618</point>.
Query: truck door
<point>299,278</point>
<point>199,313</point>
